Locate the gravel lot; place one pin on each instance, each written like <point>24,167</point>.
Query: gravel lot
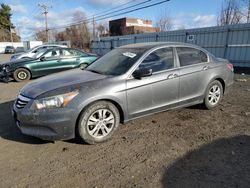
<point>189,147</point>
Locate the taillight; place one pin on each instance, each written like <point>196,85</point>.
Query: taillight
<point>230,67</point>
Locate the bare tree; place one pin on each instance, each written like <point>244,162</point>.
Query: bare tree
<point>78,35</point>
<point>102,29</point>
<point>41,36</point>
<point>245,10</point>
<point>164,22</point>
<point>229,13</point>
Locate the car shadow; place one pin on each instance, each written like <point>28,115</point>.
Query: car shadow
<point>197,107</point>
<point>8,129</point>
<point>222,163</point>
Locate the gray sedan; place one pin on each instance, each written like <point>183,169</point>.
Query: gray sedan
<point>129,82</point>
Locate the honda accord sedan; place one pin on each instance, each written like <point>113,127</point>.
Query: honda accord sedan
<point>129,82</point>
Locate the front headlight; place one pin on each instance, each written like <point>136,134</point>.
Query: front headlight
<point>6,68</point>
<point>58,101</point>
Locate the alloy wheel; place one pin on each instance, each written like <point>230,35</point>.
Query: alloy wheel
<point>100,123</point>
<point>214,94</point>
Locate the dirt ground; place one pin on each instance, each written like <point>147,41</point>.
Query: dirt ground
<point>189,147</point>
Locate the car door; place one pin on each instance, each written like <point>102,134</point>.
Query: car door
<point>158,91</point>
<point>68,59</point>
<point>48,63</point>
<point>194,67</point>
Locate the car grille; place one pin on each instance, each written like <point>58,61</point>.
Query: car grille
<point>21,102</point>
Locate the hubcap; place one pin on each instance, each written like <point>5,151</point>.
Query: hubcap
<point>22,75</point>
<point>100,123</point>
<point>214,94</point>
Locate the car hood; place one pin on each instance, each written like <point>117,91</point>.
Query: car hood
<point>59,80</point>
<point>18,61</point>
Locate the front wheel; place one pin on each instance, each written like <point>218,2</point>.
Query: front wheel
<point>213,95</point>
<point>21,74</point>
<point>98,122</point>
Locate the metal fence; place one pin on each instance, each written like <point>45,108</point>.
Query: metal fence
<point>230,42</point>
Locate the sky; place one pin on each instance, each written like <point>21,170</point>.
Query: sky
<point>28,18</point>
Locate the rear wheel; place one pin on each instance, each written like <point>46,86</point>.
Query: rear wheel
<point>213,94</point>
<point>21,74</point>
<point>98,122</point>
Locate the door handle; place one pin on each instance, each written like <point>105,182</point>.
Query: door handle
<point>205,67</point>
<point>171,76</point>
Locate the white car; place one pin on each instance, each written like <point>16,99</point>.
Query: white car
<point>34,50</point>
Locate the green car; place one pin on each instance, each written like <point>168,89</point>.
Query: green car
<point>46,62</point>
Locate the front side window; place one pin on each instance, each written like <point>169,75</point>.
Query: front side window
<point>190,56</point>
<point>159,60</point>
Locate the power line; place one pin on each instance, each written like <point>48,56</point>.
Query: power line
<point>144,7</point>
<point>87,20</point>
<point>132,1</point>
<point>118,14</point>
<point>100,13</point>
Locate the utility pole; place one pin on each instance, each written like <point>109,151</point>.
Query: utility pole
<point>45,12</point>
<point>93,27</point>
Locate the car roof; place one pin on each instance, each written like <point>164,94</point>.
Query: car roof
<point>57,45</point>
<point>64,48</point>
<point>150,45</point>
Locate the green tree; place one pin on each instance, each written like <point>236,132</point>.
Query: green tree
<point>5,17</point>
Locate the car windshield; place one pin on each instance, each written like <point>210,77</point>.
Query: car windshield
<point>31,49</point>
<point>116,62</point>
<point>39,53</point>
<point>10,47</point>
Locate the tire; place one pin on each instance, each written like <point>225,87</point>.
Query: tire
<point>83,66</point>
<point>213,94</point>
<point>21,74</point>
<point>93,127</point>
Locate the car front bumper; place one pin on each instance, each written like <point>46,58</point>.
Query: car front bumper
<point>9,52</point>
<point>49,124</point>
<point>4,76</point>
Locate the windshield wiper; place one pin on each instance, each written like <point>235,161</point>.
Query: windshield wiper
<point>94,71</point>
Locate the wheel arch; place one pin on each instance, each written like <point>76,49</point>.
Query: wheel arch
<point>221,81</point>
<point>117,105</point>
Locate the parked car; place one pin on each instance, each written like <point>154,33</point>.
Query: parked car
<point>9,50</point>
<point>46,62</point>
<point>129,82</point>
<point>34,50</point>
<point>19,49</point>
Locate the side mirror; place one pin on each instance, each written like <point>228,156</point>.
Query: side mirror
<point>143,72</point>
<point>42,58</point>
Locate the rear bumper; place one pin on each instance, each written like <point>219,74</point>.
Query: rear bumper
<point>229,82</point>
<point>228,88</point>
<point>52,124</point>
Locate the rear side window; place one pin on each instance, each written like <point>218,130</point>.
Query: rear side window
<point>52,53</point>
<point>190,56</point>
<point>159,60</point>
